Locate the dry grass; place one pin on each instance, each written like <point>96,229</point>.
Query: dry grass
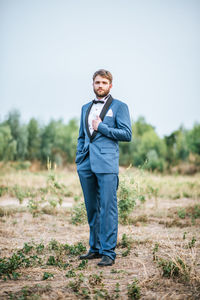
<point>159,236</point>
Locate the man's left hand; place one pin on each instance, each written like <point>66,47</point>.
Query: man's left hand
<point>95,123</point>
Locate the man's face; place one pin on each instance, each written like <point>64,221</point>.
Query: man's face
<point>101,86</point>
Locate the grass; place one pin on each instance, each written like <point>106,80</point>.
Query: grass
<point>158,241</point>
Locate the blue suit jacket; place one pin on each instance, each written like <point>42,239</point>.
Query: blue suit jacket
<point>100,152</point>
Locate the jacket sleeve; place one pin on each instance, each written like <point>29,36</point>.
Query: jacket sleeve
<point>81,137</point>
<point>123,131</point>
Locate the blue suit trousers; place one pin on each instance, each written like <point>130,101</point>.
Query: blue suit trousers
<point>100,195</point>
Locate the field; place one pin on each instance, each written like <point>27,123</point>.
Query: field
<point>43,231</point>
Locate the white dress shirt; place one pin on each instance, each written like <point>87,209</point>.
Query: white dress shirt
<point>95,112</point>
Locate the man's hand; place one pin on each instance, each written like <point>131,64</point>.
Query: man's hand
<point>95,123</point>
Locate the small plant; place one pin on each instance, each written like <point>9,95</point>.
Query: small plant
<point>51,261</point>
<point>152,191</point>
<point>117,290</point>
<point>47,275</point>
<point>184,235</point>
<point>53,245</point>
<point>9,265</point>
<point>134,290</point>
<point>33,206</point>
<point>27,248</point>
<point>83,264</point>
<point>19,193</point>
<point>39,248</point>
<point>126,241</point>
<point>142,198</point>
<point>3,190</point>
<point>101,293</point>
<point>174,268</point>
<point>76,284</point>
<point>192,243</point>
<point>76,249</point>
<point>127,200</point>
<point>155,250</point>
<point>78,214</point>
<point>181,213</point>
<point>126,252</point>
<point>70,274</point>
<point>95,279</point>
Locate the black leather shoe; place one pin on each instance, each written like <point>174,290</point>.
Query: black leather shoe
<point>90,255</point>
<point>106,261</point>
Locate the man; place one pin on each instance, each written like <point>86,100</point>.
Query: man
<point>104,122</point>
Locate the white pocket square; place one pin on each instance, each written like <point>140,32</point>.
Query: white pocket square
<point>109,113</point>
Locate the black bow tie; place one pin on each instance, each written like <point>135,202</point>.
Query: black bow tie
<point>98,101</point>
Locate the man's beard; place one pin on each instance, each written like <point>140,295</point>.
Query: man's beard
<point>102,93</point>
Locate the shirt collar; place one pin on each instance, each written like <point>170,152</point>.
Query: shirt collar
<point>103,99</point>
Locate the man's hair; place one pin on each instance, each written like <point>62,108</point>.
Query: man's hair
<point>103,73</point>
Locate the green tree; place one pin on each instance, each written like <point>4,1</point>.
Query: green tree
<point>193,139</point>
<point>48,141</point>
<point>19,134</point>
<point>177,148</point>
<point>8,146</point>
<point>34,140</point>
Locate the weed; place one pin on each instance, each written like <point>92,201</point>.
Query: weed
<point>153,192</point>
<point>53,202</point>
<point>78,214</point>
<point>33,206</point>
<point>196,212</point>
<point>101,293</point>
<point>95,279</point>
<point>3,190</point>
<point>126,252</point>
<point>70,273</point>
<point>56,190</point>
<point>27,248</point>
<point>186,195</point>
<point>184,235</point>
<point>181,213</point>
<point>134,290</point>
<point>83,264</point>
<point>53,245</point>
<point>39,248</point>
<point>47,275</point>
<point>9,265</point>
<point>30,293</point>
<point>76,198</point>
<point>51,261</point>
<point>126,241</point>
<point>174,268</point>
<point>127,200</point>
<point>155,250</point>
<point>192,243</point>
<point>142,198</point>
<point>117,290</point>
<point>19,193</point>
<point>76,284</point>
<point>76,249</point>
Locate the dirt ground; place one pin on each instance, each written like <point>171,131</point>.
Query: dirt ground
<point>161,259</point>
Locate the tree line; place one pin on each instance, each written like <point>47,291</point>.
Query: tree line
<point>57,141</point>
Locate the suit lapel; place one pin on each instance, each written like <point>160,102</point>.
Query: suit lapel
<point>102,115</point>
<point>105,108</point>
<point>86,120</point>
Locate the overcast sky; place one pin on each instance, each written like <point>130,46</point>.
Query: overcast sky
<point>49,50</point>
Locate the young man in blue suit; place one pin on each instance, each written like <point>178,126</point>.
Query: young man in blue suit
<point>104,122</point>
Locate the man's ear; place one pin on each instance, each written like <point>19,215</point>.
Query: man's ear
<point>110,85</point>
